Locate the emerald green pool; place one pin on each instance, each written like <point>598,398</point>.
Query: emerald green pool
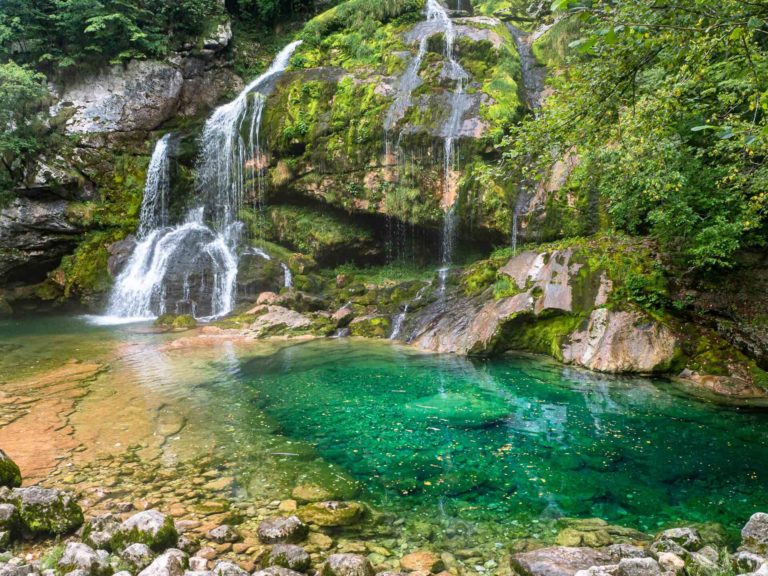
<point>508,443</point>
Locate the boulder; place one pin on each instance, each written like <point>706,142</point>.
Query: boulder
<point>678,541</point>
<point>171,563</point>
<point>45,511</point>
<point>277,571</point>
<point>744,561</point>
<point>311,493</point>
<point>289,556</point>
<point>671,563</point>
<point>560,560</point>
<point>10,521</point>
<point>137,556</point>
<point>278,530</point>
<point>223,534</point>
<point>228,569</point>
<point>638,567</point>
<point>100,530</point>
<point>79,556</point>
<point>347,565</point>
<point>754,535</point>
<point>421,561</point>
<point>149,527</point>
<point>10,475</point>
<point>332,513</point>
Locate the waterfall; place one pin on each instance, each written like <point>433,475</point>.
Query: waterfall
<point>397,324</point>
<point>154,204</point>
<point>287,276</point>
<point>192,265</point>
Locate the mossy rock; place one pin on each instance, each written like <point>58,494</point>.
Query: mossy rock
<point>45,511</point>
<point>332,513</point>
<point>150,527</point>
<point>176,321</point>
<point>10,475</point>
<point>371,327</point>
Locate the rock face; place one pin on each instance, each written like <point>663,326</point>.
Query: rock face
<point>541,287</point>
<point>35,232</point>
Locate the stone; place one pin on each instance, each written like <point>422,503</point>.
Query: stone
<point>607,570</point>
<point>78,556</point>
<point>172,562</point>
<point>282,529</point>
<point>46,511</point>
<point>188,543</point>
<point>289,556</point>
<point>754,535</point>
<point>332,513</point>
<point>687,538</point>
<point>421,560</point>
<point>276,571</point>
<point>10,475</point>
<point>137,556</point>
<point>670,562</point>
<point>311,493</point>
<point>198,564</point>
<point>559,560</point>
<point>288,506</point>
<point>10,521</point>
<point>100,530</point>
<point>320,541</point>
<point>745,561</point>
<point>347,565</point>
<point>228,569</point>
<point>149,527</point>
<point>223,533</point>
<point>638,567</point>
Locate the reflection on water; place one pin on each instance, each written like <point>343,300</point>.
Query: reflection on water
<point>458,442</point>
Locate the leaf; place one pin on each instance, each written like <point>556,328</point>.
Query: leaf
<point>704,127</point>
<point>558,5</point>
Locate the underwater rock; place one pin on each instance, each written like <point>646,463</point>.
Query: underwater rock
<point>459,410</point>
<point>347,565</point>
<point>311,493</point>
<point>171,563</point>
<point>289,556</point>
<point>10,475</point>
<point>150,527</point>
<point>332,513</point>
<point>78,556</point>
<point>421,561</point>
<point>288,529</point>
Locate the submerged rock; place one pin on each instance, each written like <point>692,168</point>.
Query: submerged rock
<point>347,565</point>
<point>332,513</point>
<point>421,561</point>
<point>460,410</point>
<point>289,556</point>
<point>280,529</point>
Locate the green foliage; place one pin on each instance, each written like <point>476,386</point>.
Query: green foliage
<point>23,128</point>
<point>85,272</point>
<point>69,34</point>
<point>674,140</point>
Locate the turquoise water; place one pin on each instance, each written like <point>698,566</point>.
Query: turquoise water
<point>508,443</point>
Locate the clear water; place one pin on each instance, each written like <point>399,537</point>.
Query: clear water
<point>497,447</point>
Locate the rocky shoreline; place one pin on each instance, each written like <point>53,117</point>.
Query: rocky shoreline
<point>127,517</point>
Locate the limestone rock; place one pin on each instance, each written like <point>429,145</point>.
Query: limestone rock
<point>638,567</point>
<point>754,535</point>
<point>220,38</point>
<point>10,475</point>
<point>100,530</point>
<point>222,534</point>
<point>745,561</point>
<point>670,562</point>
<point>45,510</point>
<point>139,96</point>
<point>276,571</point>
<point>687,538</point>
<point>149,527</point>
<point>559,560</point>
<point>228,569</point>
<point>171,563</point>
<point>289,556</point>
<point>621,342</point>
<point>10,522</point>
<point>278,320</point>
<point>421,561</point>
<point>280,529</point>
<point>347,565</point>
<point>332,513</point>
<point>78,556</point>
<point>137,556</point>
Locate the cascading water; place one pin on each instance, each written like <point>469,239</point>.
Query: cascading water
<point>397,322</point>
<point>191,265</point>
<point>438,18</point>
